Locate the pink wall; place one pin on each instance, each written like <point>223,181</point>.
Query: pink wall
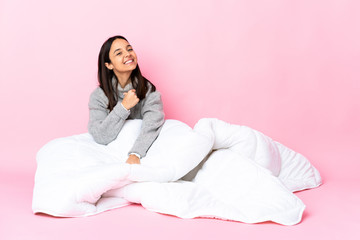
<point>287,68</point>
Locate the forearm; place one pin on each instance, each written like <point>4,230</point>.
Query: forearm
<point>153,120</point>
<point>105,127</point>
<point>146,138</point>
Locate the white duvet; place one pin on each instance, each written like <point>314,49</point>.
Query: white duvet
<point>216,170</point>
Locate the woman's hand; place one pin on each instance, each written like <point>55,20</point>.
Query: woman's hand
<point>130,99</point>
<point>133,159</point>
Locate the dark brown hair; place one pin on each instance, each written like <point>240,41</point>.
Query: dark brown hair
<point>139,82</point>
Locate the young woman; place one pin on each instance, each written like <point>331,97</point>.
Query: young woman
<point>123,93</point>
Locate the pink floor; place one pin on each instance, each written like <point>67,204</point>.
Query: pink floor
<point>332,212</point>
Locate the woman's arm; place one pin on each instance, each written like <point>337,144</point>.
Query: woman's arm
<point>153,119</point>
<point>105,126</point>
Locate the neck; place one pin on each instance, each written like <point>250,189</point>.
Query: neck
<point>123,78</point>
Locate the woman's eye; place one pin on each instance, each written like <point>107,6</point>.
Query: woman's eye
<point>130,49</point>
<point>119,53</point>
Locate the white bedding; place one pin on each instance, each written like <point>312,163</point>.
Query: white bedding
<point>233,172</point>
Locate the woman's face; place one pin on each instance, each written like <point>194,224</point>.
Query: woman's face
<point>122,57</point>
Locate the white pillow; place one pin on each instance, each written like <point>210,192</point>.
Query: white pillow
<point>293,169</point>
<point>176,151</point>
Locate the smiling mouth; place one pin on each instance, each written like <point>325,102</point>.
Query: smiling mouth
<point>129,61</point>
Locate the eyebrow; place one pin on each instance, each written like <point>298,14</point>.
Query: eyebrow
<point>120,49</point>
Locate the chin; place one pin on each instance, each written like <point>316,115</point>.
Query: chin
<point>133,67</point>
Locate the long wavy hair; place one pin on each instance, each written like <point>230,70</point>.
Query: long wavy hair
<point>105,76</point>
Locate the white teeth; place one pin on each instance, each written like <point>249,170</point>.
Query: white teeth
<point>129,61</point>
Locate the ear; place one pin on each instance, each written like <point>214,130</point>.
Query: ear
<point>109,66</point>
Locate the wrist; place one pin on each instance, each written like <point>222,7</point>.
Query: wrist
<point>125,107</point>
<point>135,154</point>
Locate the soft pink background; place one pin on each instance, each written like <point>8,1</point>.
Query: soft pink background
<point>287,68</point>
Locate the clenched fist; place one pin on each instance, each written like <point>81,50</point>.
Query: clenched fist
<point>130,99</point>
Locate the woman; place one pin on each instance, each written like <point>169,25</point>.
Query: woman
<point>123,93</point>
